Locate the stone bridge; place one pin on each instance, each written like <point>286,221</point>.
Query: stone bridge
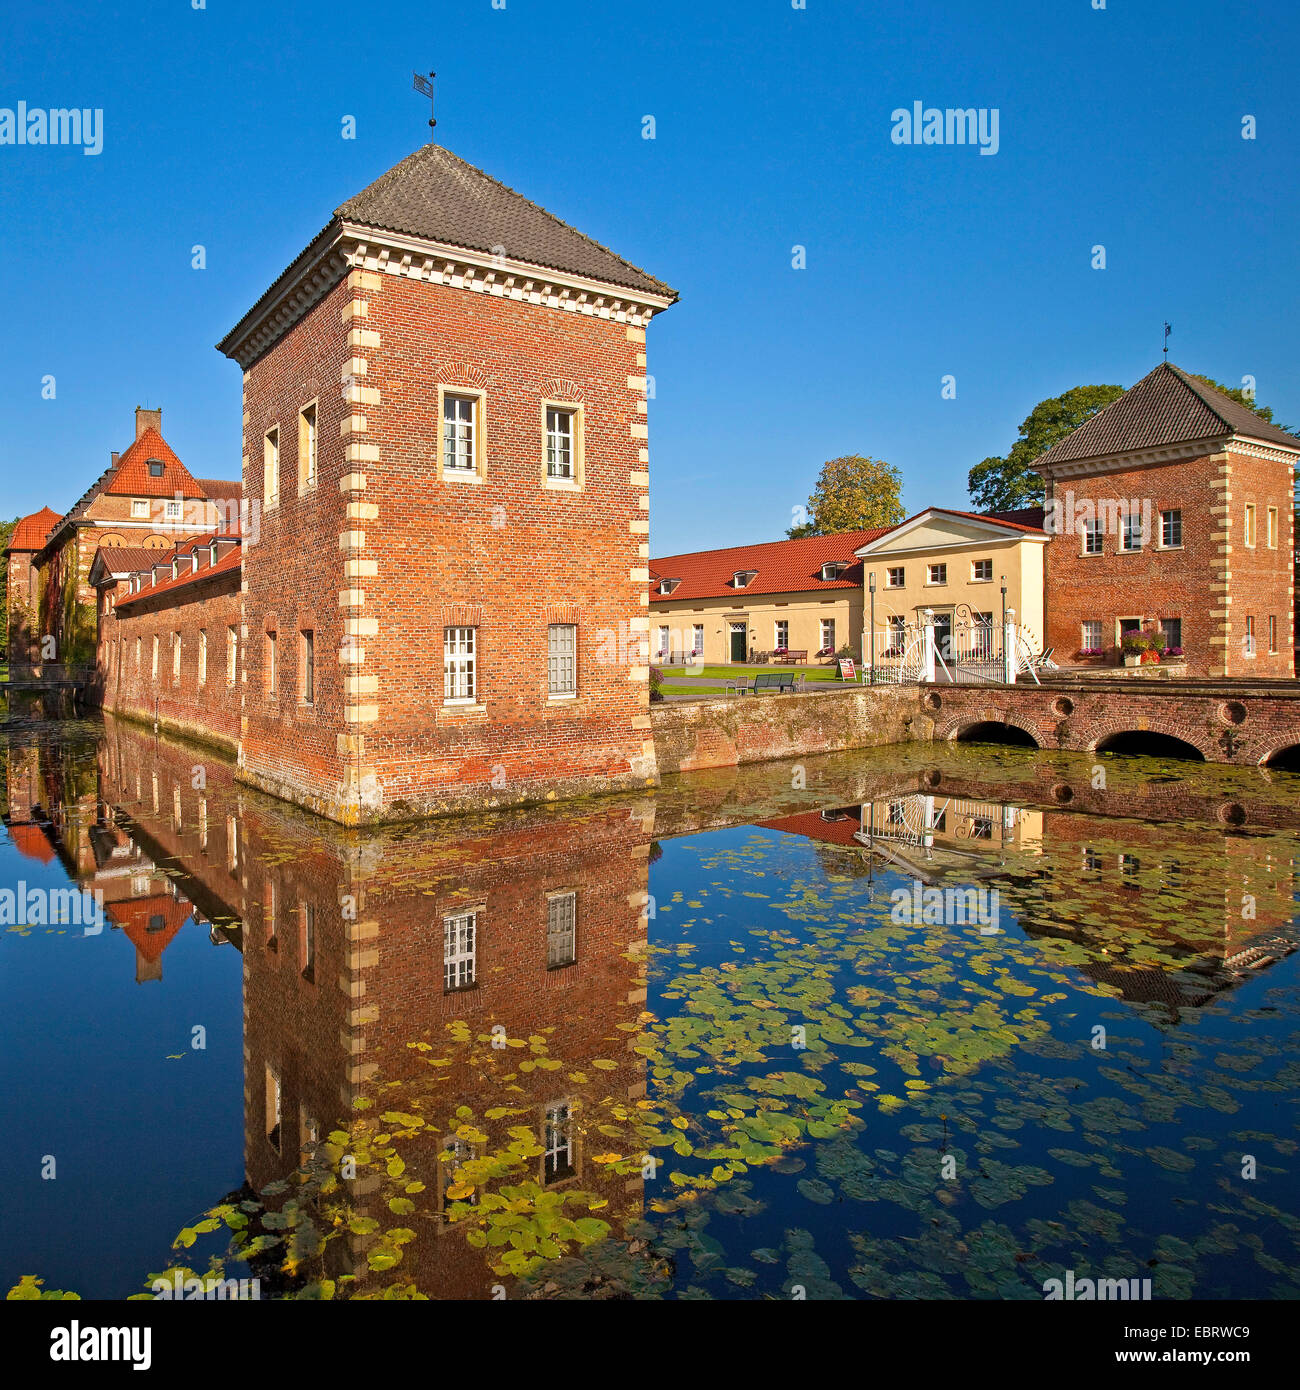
<point>1243,722</point>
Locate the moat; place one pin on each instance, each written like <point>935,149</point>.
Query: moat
<point>928,1021</point>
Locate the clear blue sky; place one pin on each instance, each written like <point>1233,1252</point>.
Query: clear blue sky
<point>1119,127</point>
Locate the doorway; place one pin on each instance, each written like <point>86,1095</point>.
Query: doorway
<point>943,635</point>
<point>738,648</point>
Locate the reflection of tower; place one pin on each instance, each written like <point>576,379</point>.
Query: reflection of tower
<point>353,951</point>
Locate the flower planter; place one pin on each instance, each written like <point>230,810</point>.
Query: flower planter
<point>1132,661</point>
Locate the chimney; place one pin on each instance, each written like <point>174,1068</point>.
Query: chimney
<point>147,419</point>
<point>113,458</point>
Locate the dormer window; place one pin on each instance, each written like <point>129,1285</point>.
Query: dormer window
<point>155,468</point>
<point>176,568</point>
<point>743,578</point>
<point>832,569</point>
<point>212,553</point>
<point>666,586</point>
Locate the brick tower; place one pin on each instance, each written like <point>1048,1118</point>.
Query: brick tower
<point>445,448</point>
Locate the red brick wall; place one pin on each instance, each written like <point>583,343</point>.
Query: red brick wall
<point>381,569</point>
<point>208,710</point>
<point>21,600</point>
<point>1188,583</point>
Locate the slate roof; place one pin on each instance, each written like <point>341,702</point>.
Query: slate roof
<point>1166,407</point>
<point>782,566</point>
<point>31,531</point>
<point>436,195</point>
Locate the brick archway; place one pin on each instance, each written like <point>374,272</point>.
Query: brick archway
<point>952,728</point>
<point>1292,748</point>
<point>1107,728</point>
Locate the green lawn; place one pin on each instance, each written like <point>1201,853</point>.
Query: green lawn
<point>727,673</point>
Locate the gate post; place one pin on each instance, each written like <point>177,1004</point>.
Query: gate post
<point>1009,648</point>
<point>927,647</point>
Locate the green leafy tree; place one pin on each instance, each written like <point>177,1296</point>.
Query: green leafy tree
<point>853,493</point>
<point>6,531</point>
<point>1002,484</point>
<point>1235,393</point>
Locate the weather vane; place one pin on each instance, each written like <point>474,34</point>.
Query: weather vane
<point>1168,331</point>
<point>424,85</point>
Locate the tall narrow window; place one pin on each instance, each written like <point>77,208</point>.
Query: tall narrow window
<point>139,643</point>
<point>155,657</point>
<point>459,664</point>
<point>1171,529</point>
<point>781,634</point>
<point>1131,535</point>
<point>1272,633</point>
<point>561,930</point>
<point>558,1159</point>
<point>559,442</point>
<point>697,638</point>
<point>272,665</point>
<point>1250,523</point>
<point>459,947</point>
<point>665,640</point>
<point>562,659</point>
<point>308,942</point>
<point>1093,536</point>
<point>307,447</point>
<point>1173,631</point>
<point>459,424</point>
<point>203,656</point>
<point>1248,643</point>
<point>828,634</point>
<point>271,468</point>
<point>1272,528</point>
<point>232,654</point>
<point>273,1101</point>
<point>308,668</point>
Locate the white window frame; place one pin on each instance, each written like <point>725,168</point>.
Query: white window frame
<point>173,511</point>
<point>460,950</point>
<point>561,683</point>
<point>460,685</point>
<point>697,639</point>
<point>828,633</point>
<point>561,929</point>
<point>558,1141</point>
<point>1092,536</point>
<point>939,567</point>
<point>1171,518</point>
<point>900,582</point>
<point>1250,531</point>
<point>1085,643</point>
<point>232,654</point>
<point>474,434</point>
<point>1271,528</point>
<point>781,633</point>
<point>1130,531</point>
<point>203,656</point>
<point>976,577</point>
<point>557,471</point>
<point>139,509</point>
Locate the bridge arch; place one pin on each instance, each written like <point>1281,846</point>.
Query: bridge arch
<point>968,730</point>
<point>1154,743</point>
<point>1285,759</point>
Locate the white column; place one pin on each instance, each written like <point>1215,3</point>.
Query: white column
<point>1009,648</point>
<point>927,650</point>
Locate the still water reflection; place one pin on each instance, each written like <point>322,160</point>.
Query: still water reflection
<point>906,1023</point>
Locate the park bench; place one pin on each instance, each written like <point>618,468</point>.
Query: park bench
<point>788,658</point>
<point>774,680</point>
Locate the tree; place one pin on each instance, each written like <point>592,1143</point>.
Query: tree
<point>6,531</point>
<point>853,493</point>
<point>1002,484</point>
<point>1235,393</point>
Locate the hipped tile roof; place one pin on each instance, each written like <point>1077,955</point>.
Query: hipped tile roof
<point>1166,407</point>
<point>782,566</point>
<point>227,564</point>
<point>436,195</point>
